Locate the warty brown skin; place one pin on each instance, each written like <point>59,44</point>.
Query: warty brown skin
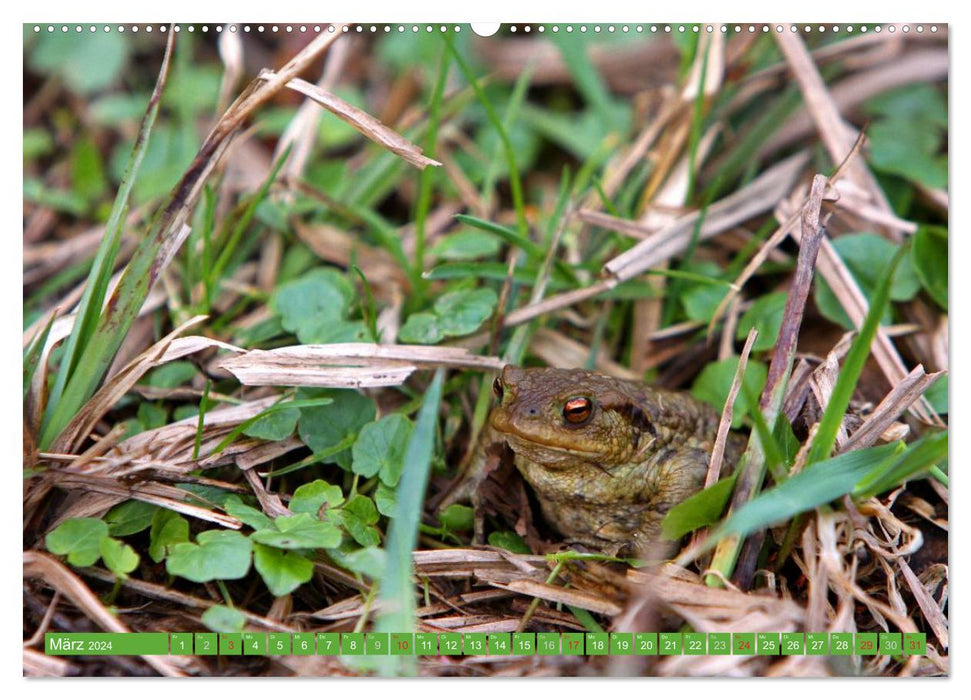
<point>606,478</point>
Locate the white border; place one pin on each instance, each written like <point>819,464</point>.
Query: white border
<point>602,11</point>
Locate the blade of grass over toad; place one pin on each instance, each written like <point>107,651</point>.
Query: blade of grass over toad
<point>816,485</point>
<point>92,300</point>
<point>397,593</point>
<point>515,186</point>
<point>856,358</point>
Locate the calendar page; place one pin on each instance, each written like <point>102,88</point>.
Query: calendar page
<point>548,349</point>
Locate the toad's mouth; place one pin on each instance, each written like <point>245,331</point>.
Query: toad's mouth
<point>544,440</point>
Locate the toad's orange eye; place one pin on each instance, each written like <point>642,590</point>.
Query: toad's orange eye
<point>497,388</point>
<point>577,410</point>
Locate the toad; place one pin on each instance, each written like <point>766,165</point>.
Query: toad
<point>607,458</point>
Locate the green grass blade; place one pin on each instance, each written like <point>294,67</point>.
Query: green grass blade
<point>92,300</point>
<point>856,358</point>
<point>397,591</point>
<point>816,485</point>
<point>920,456</point>
<point>573,49</point>
<point>699,510</point>
<point>506,234</point>
<point>426,179</point>
<point>515,185</point>
<point>244,220</point>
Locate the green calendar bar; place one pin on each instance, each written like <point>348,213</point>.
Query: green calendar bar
<point>598,643</point>
<point>352,643</point>
<point>475,644</point>
<point>793,644</point>
<point>492,644</point>
<point>524,643</point>
<point>302,644</point>
<point>450,643</point>
<point>402,644</point>
<point>328,643</point>
<point>817,644</point>
<point>254,644</point>
<point>500,643</point>
<point>621,643</point>
<point>548,643</point>
<point>670,643</point>
<point>695,643</point>
<point>206,643</point>
<point>720,643</point>
<point>180,643</point>
<point>571,644</point>
<point>866,643</point>
<point>106,644</point>
<point>645,643</point>
<point>915,644</point>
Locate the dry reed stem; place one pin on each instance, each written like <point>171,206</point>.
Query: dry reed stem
<point>363,122</point>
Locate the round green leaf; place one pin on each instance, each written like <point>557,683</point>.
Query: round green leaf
<point>274,425</point>
<point>283,572</point>
<point>457,518</point>
<point>358,516</point>
<point>929,254</point>
<point>384,499</point>
<point>168,529</point>
<point>423,328</point>
<point>87,62</point>
<point>225,620</point>
<point>866,255</point>
<point>130,517</point>
<point>78,538</point>
<point>462,312</point>
<point>309,498</point>
<point>715,381</point>
<point>118,556</point>
<point>368,561</point>
<point>509,541</point>
<point>218,554</point>
<point>324,427</point>
<point>765,314</point>
<point>315,306</point>
<point>380,448</point>
<point>300,531</point>
<point>249,515</point>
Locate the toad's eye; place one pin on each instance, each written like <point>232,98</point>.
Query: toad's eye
<point>497,388</point>
<point>578,410</point>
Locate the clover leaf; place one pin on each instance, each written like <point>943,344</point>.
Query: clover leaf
<point>216,554</point>
<point>301,531</point>
<point>309,498</point>
<point>282,571</point>
<point>380,448</point>
<point>78,538</point>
